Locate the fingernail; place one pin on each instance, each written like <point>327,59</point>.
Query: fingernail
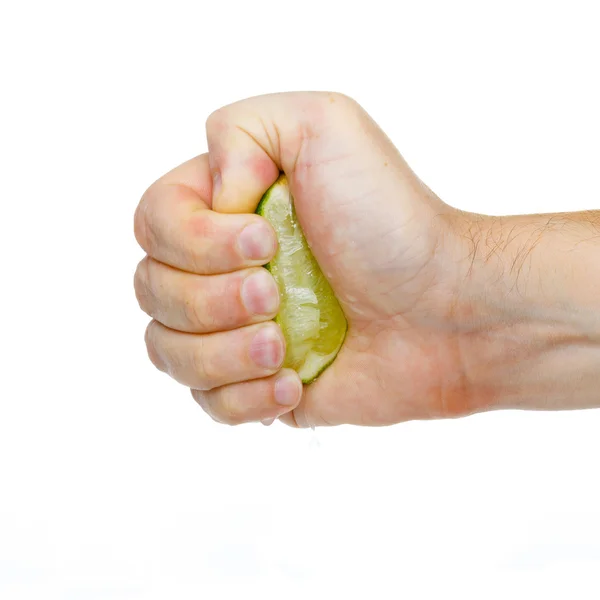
<point>268,422</point>
<point>287,390</point>
<point>259,293</point>
<point>257,242</point>
<point>266,349</point>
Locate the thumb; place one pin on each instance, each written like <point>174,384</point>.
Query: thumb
<point>300,133</point>
<point>251,141</point>
<point>366,216</point>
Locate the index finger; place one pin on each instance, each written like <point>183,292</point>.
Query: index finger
<point>252,140</point>
<point>174,225</point>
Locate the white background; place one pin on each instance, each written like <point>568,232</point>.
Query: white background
<point>113,483</point>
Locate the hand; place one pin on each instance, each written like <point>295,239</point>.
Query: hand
<point>405,266</point>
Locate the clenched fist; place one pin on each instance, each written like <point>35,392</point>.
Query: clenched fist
<point>440,321</point>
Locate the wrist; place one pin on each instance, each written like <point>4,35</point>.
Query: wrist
<point>527,310</point>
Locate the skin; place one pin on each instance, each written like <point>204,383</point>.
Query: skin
<point>450,313</point>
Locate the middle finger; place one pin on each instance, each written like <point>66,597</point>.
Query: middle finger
<point>205,304</point>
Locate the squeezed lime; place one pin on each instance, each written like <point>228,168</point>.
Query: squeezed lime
<point>310,316</point>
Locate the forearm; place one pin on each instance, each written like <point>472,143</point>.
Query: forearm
<point>532,293</point>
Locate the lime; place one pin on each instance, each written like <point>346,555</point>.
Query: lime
<point>310,316</point>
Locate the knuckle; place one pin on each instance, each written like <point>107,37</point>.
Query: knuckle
<point>204,229</point>
<point>215,119</point>
<point>203,368</point>
<point>139,222</point>
<point>193,311</point>
<point>217,406</point>
<point>342,99</point>
<point>202,224</point>
<point>228,410</point>
<point>343,106</point>
<point>141,285</point>
<point>202,398</point>
<point>150,340</point>
<point>144,224</point>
